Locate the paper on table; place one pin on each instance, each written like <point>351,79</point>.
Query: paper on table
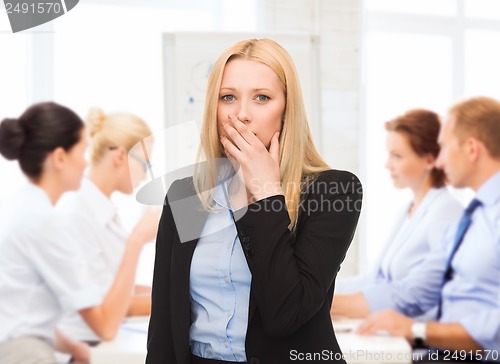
<point>135,324</point>
<point>345,325</point>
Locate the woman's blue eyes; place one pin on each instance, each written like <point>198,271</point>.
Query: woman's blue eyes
<point>229,98</point>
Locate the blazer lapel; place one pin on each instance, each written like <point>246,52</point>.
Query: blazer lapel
<point>190,219</point>
<point>179,298</point>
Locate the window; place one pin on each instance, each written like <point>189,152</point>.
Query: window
<point>482,58</point>
<point>425,7</point>
<point>425,54</point>
<point>14,73</point>
<point>404,71</point>
<point>482,9</point>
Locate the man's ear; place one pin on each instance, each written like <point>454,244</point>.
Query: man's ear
<point>473,148</point>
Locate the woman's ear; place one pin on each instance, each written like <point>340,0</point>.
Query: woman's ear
<point>431,161</point>
<point>56,159</point>
<point>119,157</point>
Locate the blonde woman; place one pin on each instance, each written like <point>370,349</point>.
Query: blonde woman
<point>118,163</point>
<point>251,278</point>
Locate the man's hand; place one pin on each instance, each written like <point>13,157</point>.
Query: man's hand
<point>388,321</point>
<point>353,305</point>
<point>81,353</point>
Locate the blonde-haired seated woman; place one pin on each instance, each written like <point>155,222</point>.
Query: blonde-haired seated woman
<point>118,163</point>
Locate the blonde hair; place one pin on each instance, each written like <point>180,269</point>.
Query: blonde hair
<point>113,130</point>
<point>479,117</point>
<point>299,160</point>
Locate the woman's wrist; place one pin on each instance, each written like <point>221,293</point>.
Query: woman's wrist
<point>267,190</point>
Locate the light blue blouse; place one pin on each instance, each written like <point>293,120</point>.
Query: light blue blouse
<point>219,287</point>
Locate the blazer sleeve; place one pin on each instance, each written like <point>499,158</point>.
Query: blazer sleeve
<point>291,276</point>
<point>160,342</point>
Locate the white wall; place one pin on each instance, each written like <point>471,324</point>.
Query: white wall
<point>338,24</point>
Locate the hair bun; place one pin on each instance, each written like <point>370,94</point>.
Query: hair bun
<point>95,120</point>
<point>12,138</point>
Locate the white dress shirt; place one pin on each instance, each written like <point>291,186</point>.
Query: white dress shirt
<point>94,224</point>
<point>42,269</point>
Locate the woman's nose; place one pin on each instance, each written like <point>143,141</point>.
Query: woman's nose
<point>387,164</point>
<point>243,112</point>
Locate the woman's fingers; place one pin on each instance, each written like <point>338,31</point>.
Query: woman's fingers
<point>236,137</point>
<point>274,148</point>
<point>230,149</point>
<point>249,137</point>
<point>260,166</point>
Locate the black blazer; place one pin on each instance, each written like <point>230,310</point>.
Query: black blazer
<point>293,275</point>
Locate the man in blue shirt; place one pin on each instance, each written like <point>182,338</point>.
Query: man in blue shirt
<point>461,276</point>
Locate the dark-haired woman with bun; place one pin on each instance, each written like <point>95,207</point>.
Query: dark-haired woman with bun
<point>42,271</point>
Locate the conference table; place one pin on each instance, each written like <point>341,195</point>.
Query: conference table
<point>129,346</point>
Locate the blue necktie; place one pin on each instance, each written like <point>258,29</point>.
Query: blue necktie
<point>463,226</point>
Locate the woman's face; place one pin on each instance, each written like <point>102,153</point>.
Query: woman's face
<point>407,168</point>
<point>138,166</point>
<point>76,163</point>
<point>251,91</point>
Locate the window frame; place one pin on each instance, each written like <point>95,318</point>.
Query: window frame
<point>454,27</point>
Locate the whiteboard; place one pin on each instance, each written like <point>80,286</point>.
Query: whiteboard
<point>188,59</point>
